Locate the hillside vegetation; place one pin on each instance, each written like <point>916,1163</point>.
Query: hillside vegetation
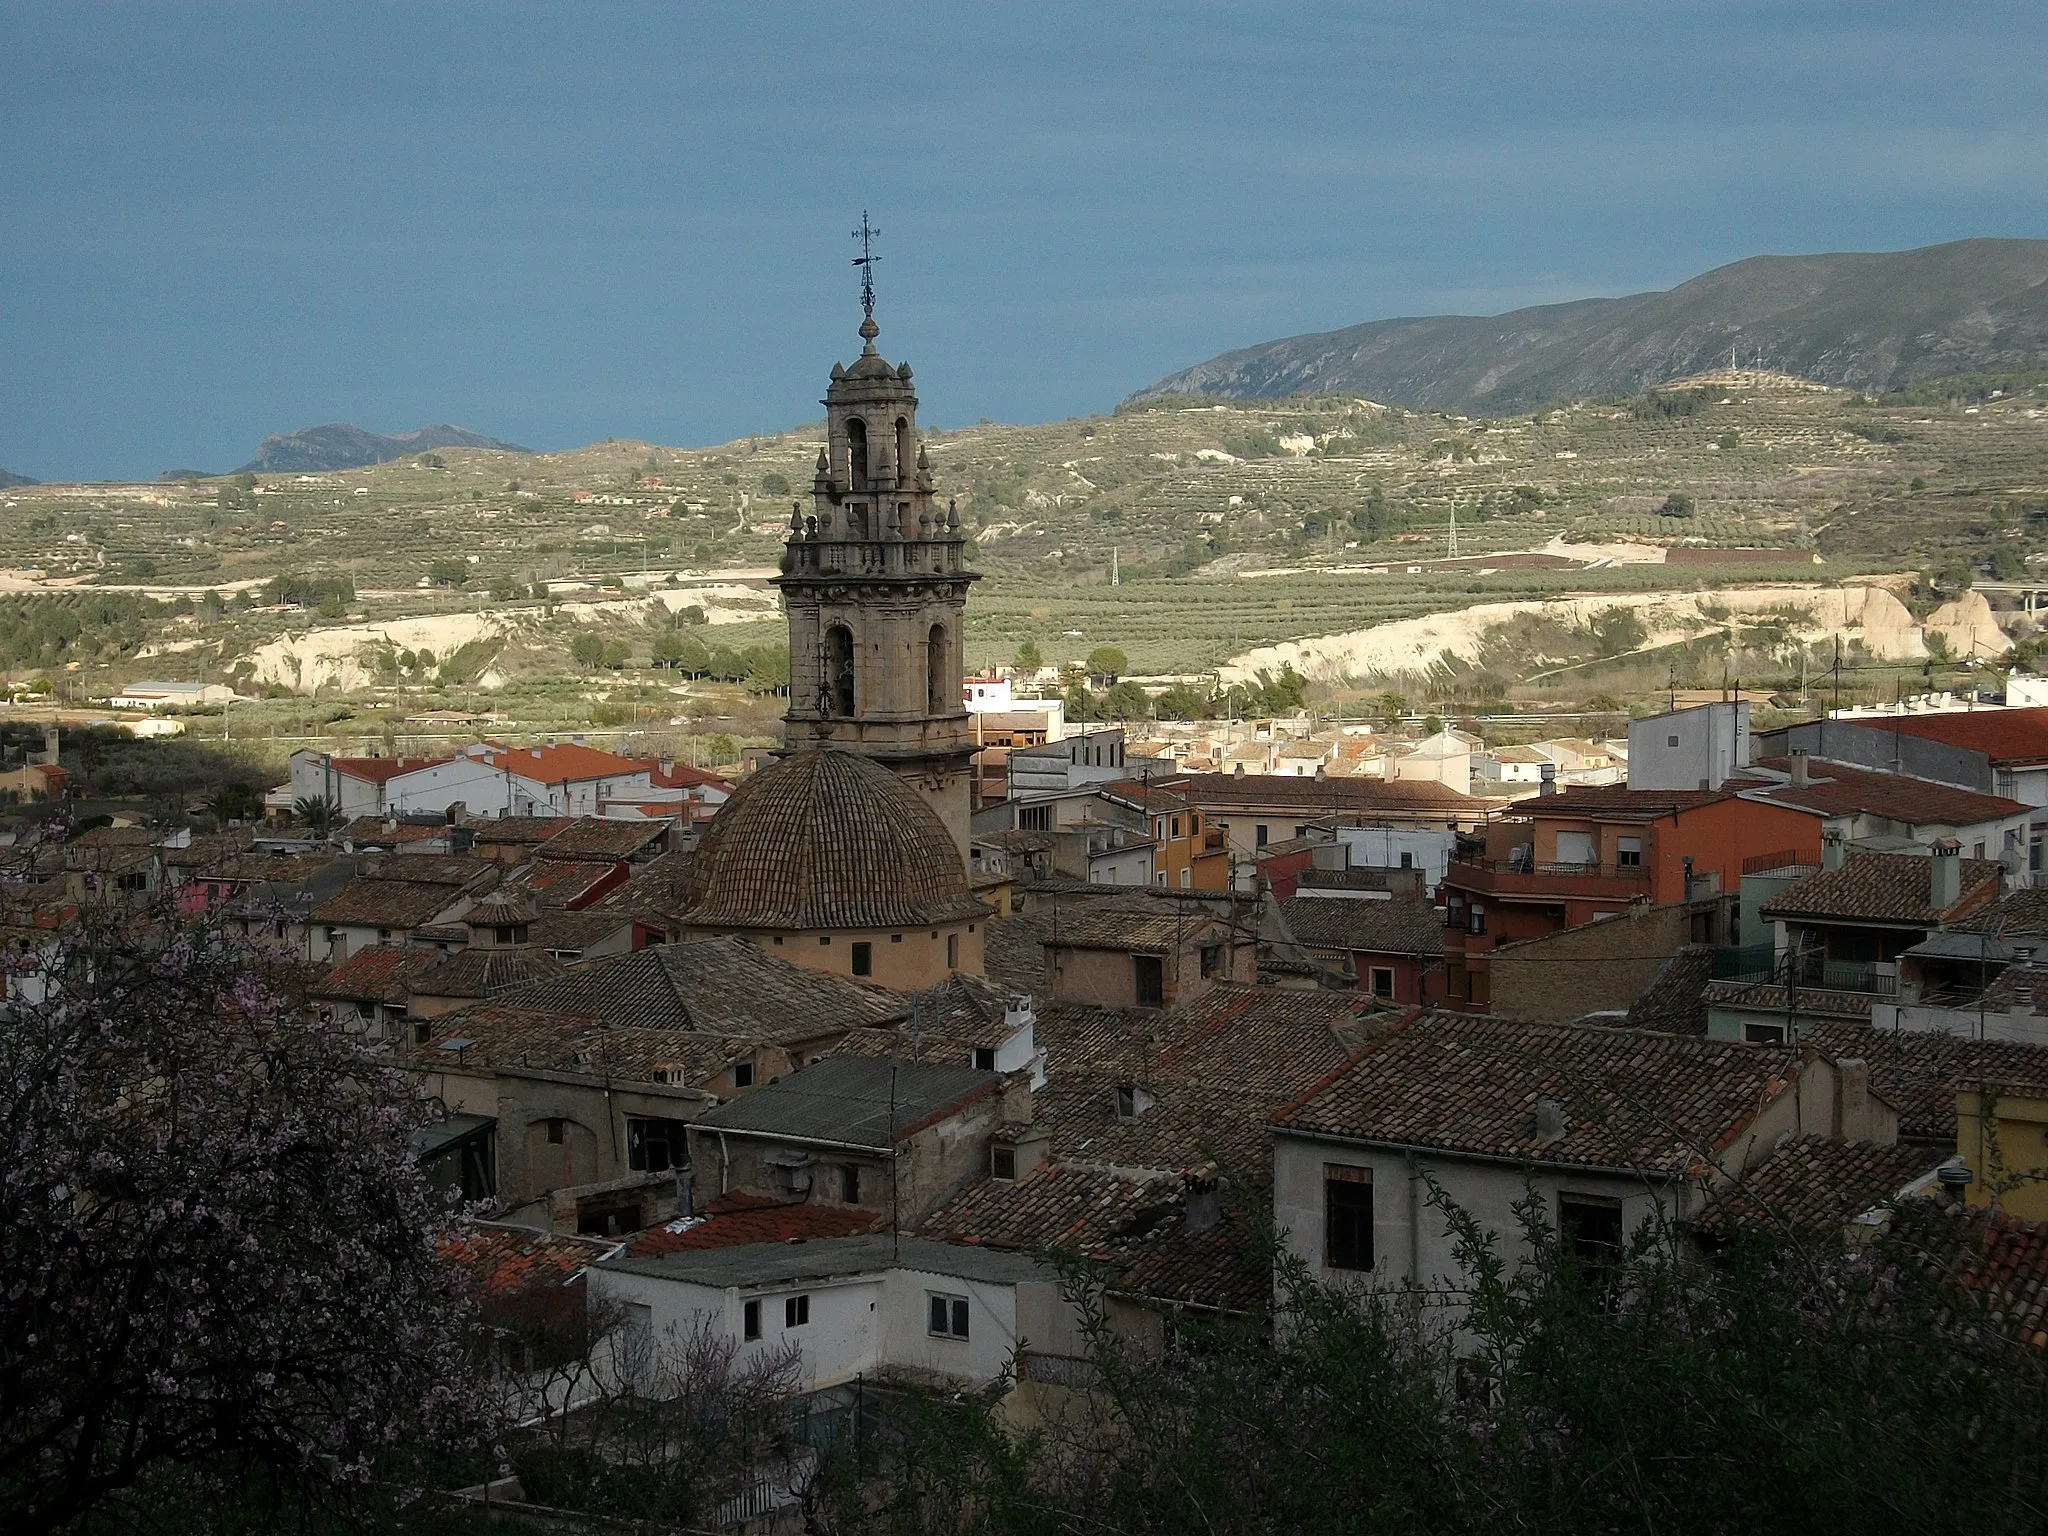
<point>1867,320</point>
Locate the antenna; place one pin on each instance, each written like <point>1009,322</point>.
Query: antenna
<point>867,235</point>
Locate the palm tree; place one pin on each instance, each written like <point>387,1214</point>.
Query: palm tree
<point>317,812</point>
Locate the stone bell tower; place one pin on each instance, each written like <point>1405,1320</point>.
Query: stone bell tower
<point>874,584</point>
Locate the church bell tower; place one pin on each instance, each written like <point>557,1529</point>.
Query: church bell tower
<point>874,584</point>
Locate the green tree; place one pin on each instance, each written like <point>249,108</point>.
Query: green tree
<point>1729,440</point>
<point>615,654</point>
<point>775,483</point>
<point>1677,504</point>
<point>316,814</point>
<point>448,572</point>
<point>1109,662</point>
<point>1028,658</point>
<point>1391,710</point>
<point>587,650</point>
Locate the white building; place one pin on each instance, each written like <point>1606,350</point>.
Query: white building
<point>854,1307</point>
<point>1689,748</point>
<point>154,695</point>
<point>487,780</point>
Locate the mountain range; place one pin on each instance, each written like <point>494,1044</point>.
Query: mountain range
<point>338,445</point>
<point>1863,320</point>
<point>7,480</point>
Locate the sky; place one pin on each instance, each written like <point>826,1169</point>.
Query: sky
<point>557,223</point>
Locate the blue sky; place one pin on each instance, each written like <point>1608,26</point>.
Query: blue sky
<point>563,222</point>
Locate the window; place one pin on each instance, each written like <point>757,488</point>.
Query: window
<point>849,1184</point>
<point>1475,918</point>
<point>1591,1228</point>
<point>952,951</point>
<point>796,1311</point>
<point>1148,980</point>
<point>1576,848</point>
<point>837,683</point>
<point>984,1058</point>
<point>857,452</point>
<point>1259,835</point>
<point>1212,960</point>
<point>1034,818</point>
<point>863,959</point>
<point>1758,1032</point>
<point>1187,878</point>
<point>1002,1162</point>
<point>1628,852</point>
<point>750,1325</point>
<point>949,1316</point>
<point>422,1032</point>
<point>1670,741</point>
<point>1347,1217</point>
<point>655,1146</point>
<point>1407,861</point>
<point>1382,981</point>
<point>1176,826</point>
<point>743,1074</point>
<point>935,671</point>
<point>557,1128</point>
<point>1977,851</point>
<point>383,935</point>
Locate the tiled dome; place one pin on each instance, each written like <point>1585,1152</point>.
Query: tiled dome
<point>825,839</point>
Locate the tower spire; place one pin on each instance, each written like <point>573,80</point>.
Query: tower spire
<point>867,235</point>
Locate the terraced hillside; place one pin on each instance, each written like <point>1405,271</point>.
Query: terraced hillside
<point>1345,506</point>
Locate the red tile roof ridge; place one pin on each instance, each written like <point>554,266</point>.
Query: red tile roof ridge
<point>1329,1078</point>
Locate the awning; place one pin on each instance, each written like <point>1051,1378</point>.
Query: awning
<point>457,1131</point>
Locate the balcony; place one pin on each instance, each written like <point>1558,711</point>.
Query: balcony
<point>1516,877</point>
<point>1761,963</point>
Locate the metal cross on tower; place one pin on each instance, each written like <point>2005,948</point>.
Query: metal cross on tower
<point>866,260</point>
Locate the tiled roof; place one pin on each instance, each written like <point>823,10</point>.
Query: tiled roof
<point>201,851</point>
<point>1674,1001</point>
<point>262,868</point>
<point>117,837</point>
<point>1617,802</point>
<point>1394,927</point>
<point>853,1101</point>
<point>490,1036</point>
<point>656,890</point>
<point>559,882</point>
<point>825,839</point>
<point>384,832</point>
<point>506,1258</point>
<point>1917,1073</point>
<point>1135,1225</point>
<point>379,973</point>
<point>737,1217</point>
<point>1839,790</point>
<point>1296,793</point>
<point>519,829</point>
<point>1118,925</point>
<point>1472,1085</point>
<point>719,986</point>
<point>1884,888</point>
<point>575,931</point>
<point>1815,1184</point>
<point>373,901</point>
<point>565,764</point>
<point>594,840</point>
<point>683,776</point>
<point>2004,1262</point>
<point>2016,914</point>
<point>485,971</point>
<point>2009,737</point>
<point>380,770</point>
<point>1808,1002</point>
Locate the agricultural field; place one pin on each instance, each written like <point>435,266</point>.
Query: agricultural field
<point>580,587</point>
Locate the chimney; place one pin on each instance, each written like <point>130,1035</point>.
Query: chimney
<point>1200,1208</point>
<point>1549,1121</point>
<point>1016,1105</point>
<point>668,765</point>
<point>1852,1099</point>
<point>1945,881</point>
<point>1832,853</point>
<point>1800,778</point>
<point>50,743</point>
<point>1547,776</point>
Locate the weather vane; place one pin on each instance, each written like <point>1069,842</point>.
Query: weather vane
<point>866,262</point>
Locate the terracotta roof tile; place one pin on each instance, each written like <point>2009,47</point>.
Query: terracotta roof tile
<point>737,1218</point>
<point>1394,927</point>
<point>566,764</point>
<point>1472,1085</point>
<point>484,972</point>
<point>1884,887</point>
<point>1840,790</point>
<point>506,1258</point>
<point>1917,1073</point>
<point>1230,791</point>
<point>379,973</point>
<point>2009,737</point>
<point>594,840</point>
<point>1816,1184</point>
<point>825,839</point>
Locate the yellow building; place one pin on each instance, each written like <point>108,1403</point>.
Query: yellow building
<point>2002,1133</point>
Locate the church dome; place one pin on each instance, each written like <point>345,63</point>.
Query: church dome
<point>825,839</point>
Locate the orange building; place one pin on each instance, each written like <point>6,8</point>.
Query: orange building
<point>1191,854</point>
<point>1589,853</point>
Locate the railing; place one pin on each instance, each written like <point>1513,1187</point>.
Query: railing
<point>1761,963</point>
<point>1555,871</point>
<point>1786,861</point>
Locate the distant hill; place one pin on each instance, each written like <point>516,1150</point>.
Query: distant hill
<point>7,479</point>
<point>1864,320</point>
<point>341,446</point>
